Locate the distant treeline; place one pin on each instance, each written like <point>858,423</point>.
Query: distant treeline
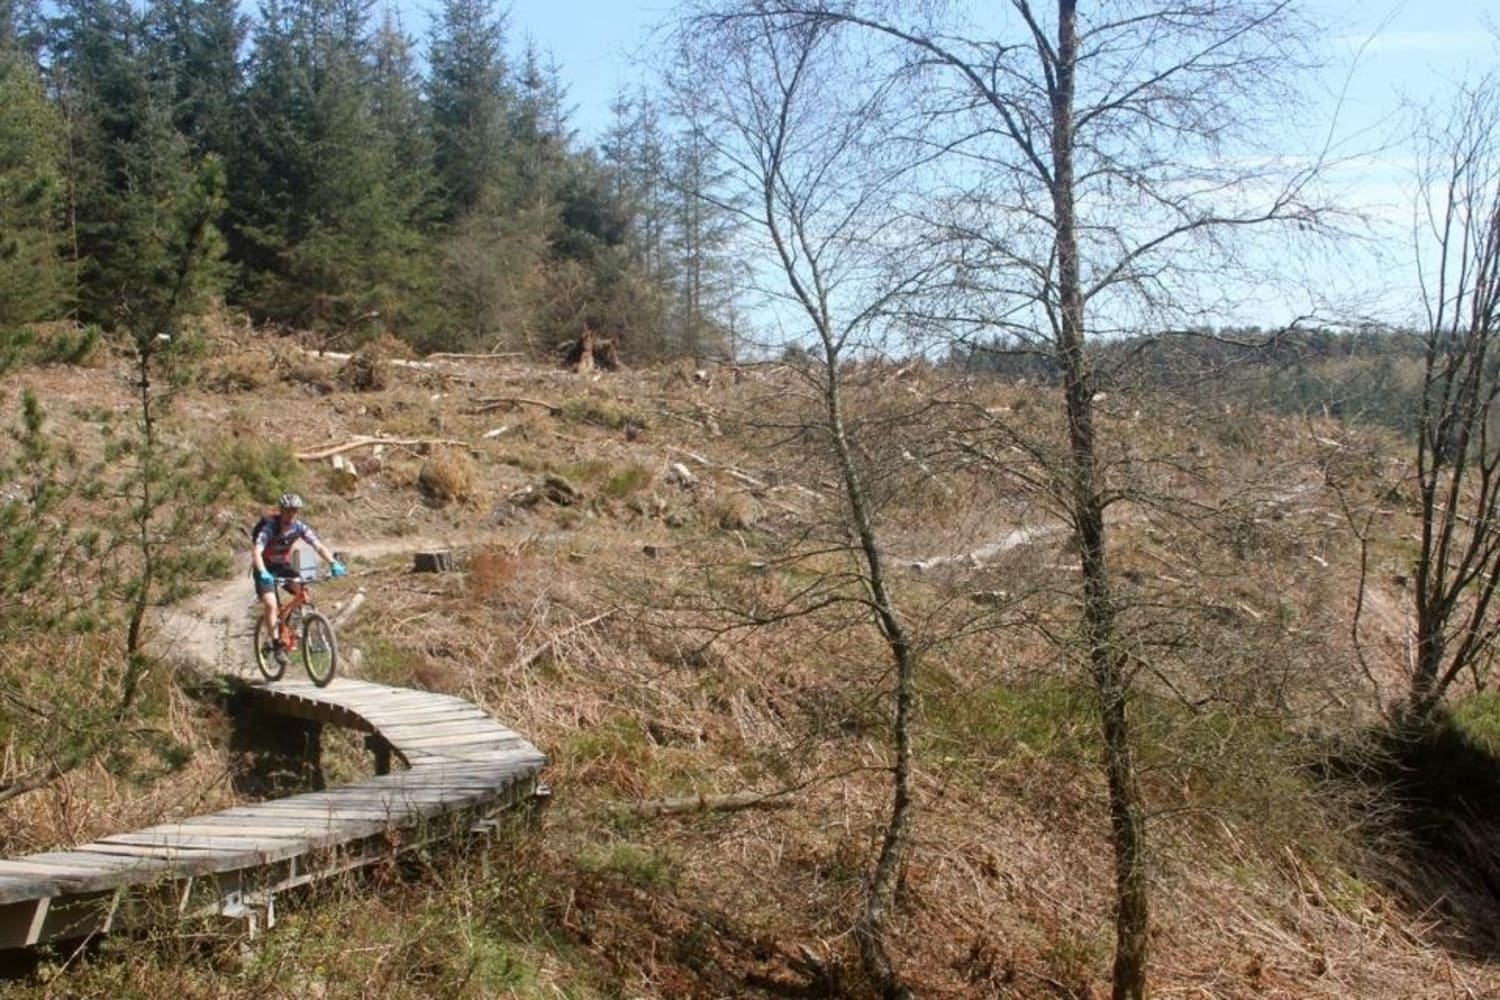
<point>359,188</point>
<point>1372,376</point>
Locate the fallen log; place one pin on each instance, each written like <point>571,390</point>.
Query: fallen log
<point>489,405</point>
<point>345,613</point>
<point>362,441</point>
<point>735,802</point>
<point>460,356</point>
<point>345,356</point>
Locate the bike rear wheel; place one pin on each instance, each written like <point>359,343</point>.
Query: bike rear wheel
<point>265,656</point>
<point>320,650</point>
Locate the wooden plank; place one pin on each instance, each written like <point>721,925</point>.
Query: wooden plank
<point>425,703</point>
<point>252,816</point>
<point>459,733</point>
<point>488,736</point>
<point>512,762</point>
<point>419,797</point>
<point>57,881</point>
<point>178,831</point>
<point>442,723</point>
<point>398,733</point>
<point>395,732</point>
<point>67,860</point>
<point>235,852</point>
<point>525,766</point>
<point>16,886</point>
<point>375,697</point>
<point>169,838</point>
<point>344,683</point>
<point>485,772</point>
<point>343,694</point>
<point>76,878</point>
<point>388,714</point>
<point>185,861</point>
<point>479,775</point>
<point>500,750</point>
<point>302,830</point>
<point>404,702</point>
<point>419,738</point>
<point>351,811</point>
<point>398,803</point>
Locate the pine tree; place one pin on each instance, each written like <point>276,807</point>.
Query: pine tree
<point>197,43</point>
<point>635,155</point>
<point>322,228</point>
<point>537,134</point>
<point>470,100</point>
<point>22,26</point>
<point>126,157</point>
<point>702,231</point>
<point>77,591</point>
<point>33,278</point>
<point>494,251</point>
<point>413,304</point>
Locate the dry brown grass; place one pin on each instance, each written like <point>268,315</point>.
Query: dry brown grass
<point>631,671</point>
<point>448,476</point>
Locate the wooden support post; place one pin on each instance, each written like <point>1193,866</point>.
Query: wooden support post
<point>377,745</point>
<point>536,803</point>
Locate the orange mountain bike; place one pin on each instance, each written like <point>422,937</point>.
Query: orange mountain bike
<point>303,630</point>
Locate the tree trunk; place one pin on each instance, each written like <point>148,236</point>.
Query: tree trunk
<point>870,929</point>
<point>1107,664</point>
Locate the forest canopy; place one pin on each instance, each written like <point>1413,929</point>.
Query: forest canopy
<point>374,181</point>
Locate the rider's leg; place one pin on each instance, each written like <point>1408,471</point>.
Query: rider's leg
<point>268,612</point>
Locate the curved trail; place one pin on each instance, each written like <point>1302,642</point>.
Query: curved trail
<point>212,628</point>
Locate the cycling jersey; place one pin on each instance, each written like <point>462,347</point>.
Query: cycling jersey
<point>276,544</point>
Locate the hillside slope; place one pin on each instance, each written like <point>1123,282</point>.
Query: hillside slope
<point>653,585</point>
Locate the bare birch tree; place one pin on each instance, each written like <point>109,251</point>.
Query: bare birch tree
<point>1122,136</point>
<point>1457,239</point>
<point>809,172</point>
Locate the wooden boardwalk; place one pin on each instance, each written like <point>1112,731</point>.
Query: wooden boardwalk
<point>462,768</point>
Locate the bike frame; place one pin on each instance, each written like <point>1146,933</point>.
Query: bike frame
<point>301,598</point>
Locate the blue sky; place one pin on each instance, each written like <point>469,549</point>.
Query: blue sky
<point>1385,60</point>
<point>1378,53</point>
<point>594,42</point>
<point>1401,45</point>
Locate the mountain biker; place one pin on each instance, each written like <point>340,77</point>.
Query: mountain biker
<point>271,559</point>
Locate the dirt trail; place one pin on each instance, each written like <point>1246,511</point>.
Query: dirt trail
<point>212,629</point>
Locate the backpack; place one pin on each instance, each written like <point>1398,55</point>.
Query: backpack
<point>269,517</point>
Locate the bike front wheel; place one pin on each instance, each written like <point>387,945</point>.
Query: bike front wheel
<point>271,668</point>
<point>320,650</point>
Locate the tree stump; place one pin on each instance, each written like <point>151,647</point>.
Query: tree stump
<point>440,561</point>
<point>589,352</point>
